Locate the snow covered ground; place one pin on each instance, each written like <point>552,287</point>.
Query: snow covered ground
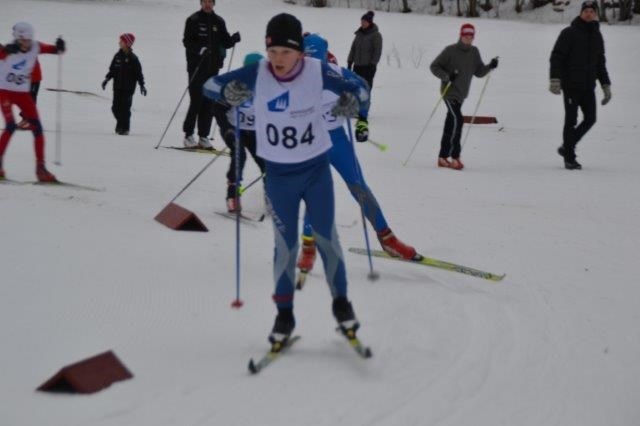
<point>556,343</point>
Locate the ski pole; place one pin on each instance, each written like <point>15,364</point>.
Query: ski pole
<point>475,111</point>
<point>382,147</point>
<point>175,111</point>
<point>237,303</point>
<point>444,92</point>
<point>199,173</point>
<point>243,189</point>
<point>373,275</point>
<point>58,156</point>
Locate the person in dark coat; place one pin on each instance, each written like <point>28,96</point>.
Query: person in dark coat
<point>126,71</point>
<point>455,66</point>
<point>577,61</point>
<point>206,40</point>
<point>366,49</point>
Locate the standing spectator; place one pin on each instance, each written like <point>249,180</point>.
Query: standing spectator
<point>455,66</point>
<point>126,71</point>
<point>577,60</point>
<point>366,49</point>
<point>205,40</point>
<point>17,61</point>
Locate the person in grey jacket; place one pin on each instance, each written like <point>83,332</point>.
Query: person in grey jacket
<point>455,66</point>
<point>366,49</point>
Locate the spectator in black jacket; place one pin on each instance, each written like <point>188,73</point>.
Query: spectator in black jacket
<point>205,40</point>
<point>126,71</point>
<point>577,60</point>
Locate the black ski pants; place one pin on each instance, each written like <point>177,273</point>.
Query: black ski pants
<point>572,133</point>
<point>367,72</point>
<point>121,109</point>
<point>200,108</point>
<point>450,143</point>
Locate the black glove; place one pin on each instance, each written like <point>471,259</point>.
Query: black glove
<point>104,83</point>
<point>61,46</point>
<point>143,90</point>
<point>494,63</point>
<point>453,76</point>
<point>235,37</point>
<point>362,130</point>
<point>350,66</point>
<point>11,48</point>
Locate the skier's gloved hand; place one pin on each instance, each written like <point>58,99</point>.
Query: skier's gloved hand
<point>494,63</point>
<point>362,130</point>
<point>61,46</point>
<point>346,106</point>
<point>235,37</point>
<point>554,86</point>
<point>203,51</point>
<point>235,93</point>
<point>11,48</point>
<point>450,78</point>
<point>606,89</point>
<point>104,83</point>
<point>350,66</point>
<point>143,90</point>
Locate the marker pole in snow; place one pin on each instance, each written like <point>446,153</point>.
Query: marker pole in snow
<point>58,156</point>
<point>444,92</point>
<point>373,275</point>
<point>237,303</point>
<point>175,111</point>
<point>475,111</point>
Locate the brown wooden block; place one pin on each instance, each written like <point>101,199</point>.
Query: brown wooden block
<point>480,119</point>
<point>180,219</point>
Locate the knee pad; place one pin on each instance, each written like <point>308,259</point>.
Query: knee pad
<point>36,127</point>
<point>11,127</point>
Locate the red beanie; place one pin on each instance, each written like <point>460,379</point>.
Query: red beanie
<point>128,39</point>
<point>467,30</point>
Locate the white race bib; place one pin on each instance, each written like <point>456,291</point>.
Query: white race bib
<point>15,69</point>
<point>288,115</point>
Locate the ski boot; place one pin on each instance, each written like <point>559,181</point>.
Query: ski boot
<point>307,255</point>
<point>396,248</point>
<point>233,198</point>
<point>444,162</point>
<point>343,312</point>
<point>456,164</point>
<point>190,142</point>
<point>282,329</point>
<point>570,162</point>
<point>44,175</point>
<point>203,143</point>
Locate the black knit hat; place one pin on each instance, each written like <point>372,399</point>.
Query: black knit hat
<point>368,17</point>
<point>284,30</point>
<point>589,4</point>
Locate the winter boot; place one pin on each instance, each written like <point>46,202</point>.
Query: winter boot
<point>343,312</point>
<point>572,165</point>
<point>456,164</point>
<point>443,162</point>
<point>282,328</point>
<point>308,254</point>
<point>396,248</point>
<point>203,142</point>
<point>44,175</point>
<point>190,142</point>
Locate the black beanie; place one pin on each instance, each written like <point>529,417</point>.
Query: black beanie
<point>368,17</point>
<point>284,30</point>
<point>589,4</point>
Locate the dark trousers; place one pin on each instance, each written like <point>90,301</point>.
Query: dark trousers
<point>450,143</point>
<point>248,141</point>
<point>367,72</point>
<point>200,109</point>
<point>121,108</point>
<point>571,134</point>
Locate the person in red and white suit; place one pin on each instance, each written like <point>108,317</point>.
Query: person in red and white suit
<point>17,62</point>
